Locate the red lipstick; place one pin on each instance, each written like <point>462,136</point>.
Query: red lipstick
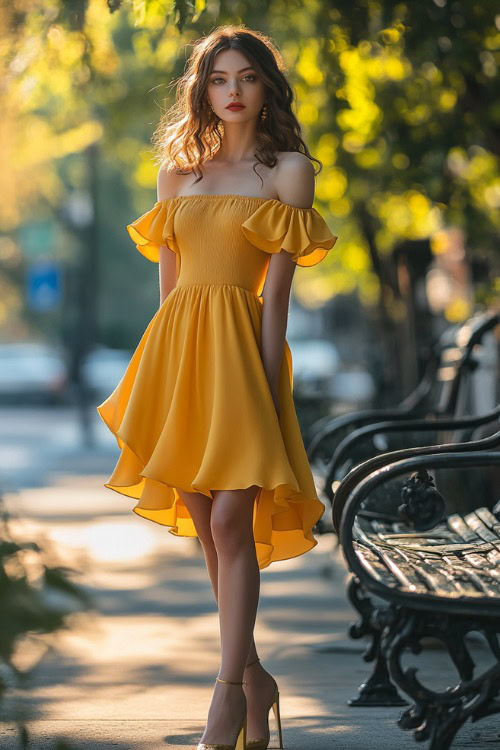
<point>235,106</point>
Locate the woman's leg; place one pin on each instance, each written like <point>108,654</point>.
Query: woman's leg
<point>238,576</point>
<point>238,595</point>
<point>200,508</point>
<point>260,685</point>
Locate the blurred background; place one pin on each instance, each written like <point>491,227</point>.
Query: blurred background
<point>398,100</point>
<point>400,103</point>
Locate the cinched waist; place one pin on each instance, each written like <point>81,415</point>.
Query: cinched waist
<point>216,286</point>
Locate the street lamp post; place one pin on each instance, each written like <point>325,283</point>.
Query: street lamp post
<point>80,210</point>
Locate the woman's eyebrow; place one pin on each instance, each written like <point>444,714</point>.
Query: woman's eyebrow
<point>249,67</point>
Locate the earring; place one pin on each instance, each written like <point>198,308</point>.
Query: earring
<point>263,112</point>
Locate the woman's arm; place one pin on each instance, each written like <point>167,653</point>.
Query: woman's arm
<point>166,187</point>
<point>167,272</point>
<point>295,185</point>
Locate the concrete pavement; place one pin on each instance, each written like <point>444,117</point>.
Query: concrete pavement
<point>138,673</point>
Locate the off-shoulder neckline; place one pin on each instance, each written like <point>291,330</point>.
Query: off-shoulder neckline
<point>235,195</point>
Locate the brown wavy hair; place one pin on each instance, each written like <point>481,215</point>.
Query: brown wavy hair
<point>190,132</point>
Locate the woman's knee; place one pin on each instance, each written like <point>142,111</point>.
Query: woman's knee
<point>231,517</point>
<point>224,523</point>
<point>204,533</point>
<point>200,508</point>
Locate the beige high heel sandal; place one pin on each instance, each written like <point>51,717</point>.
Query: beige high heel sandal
<point>262,744</point>
<point>242,732</point>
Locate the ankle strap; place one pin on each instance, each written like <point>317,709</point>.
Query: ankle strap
<point>252,662</point>
<point>228,682</point>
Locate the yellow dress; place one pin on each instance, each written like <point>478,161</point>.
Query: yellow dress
<point>194,410</point>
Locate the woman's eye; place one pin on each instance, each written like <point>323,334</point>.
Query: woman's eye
<point>250,76</point>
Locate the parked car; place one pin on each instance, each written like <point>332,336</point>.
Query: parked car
<point>319,372</point>
<point>103,369</point>
<point>32,372</point>
<point>315,362</point>
<point>353,385</point>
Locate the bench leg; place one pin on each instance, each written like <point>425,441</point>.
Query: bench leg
<point>437,716</point>
<point>378,690</point>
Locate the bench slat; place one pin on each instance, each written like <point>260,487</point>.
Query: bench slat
<point>474,522</point>
<point>489,519</point>
<point>458,525</point>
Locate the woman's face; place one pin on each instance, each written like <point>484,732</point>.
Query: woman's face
<point>233,79</point>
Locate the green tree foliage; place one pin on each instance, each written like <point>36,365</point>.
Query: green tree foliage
<point>414,123</point>
<point>397,99</point>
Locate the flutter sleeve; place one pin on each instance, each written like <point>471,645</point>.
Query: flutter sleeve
<point>302,232</point>
<point>155,228</point>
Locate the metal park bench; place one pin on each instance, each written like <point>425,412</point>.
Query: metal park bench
<point>421,570</point>
<point>337,444</point>
<point>423,561</point>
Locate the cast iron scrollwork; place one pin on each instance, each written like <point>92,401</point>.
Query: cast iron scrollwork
<point>422,507</point>
<point>377,690</point>
<point>437,716</point>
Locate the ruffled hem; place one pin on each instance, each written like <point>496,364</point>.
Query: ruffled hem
<point>274,507</point>
<point>194,380</point>
<point>302,232</point>
<point>155,228</point>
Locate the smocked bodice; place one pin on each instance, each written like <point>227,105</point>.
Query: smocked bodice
<point>213,249</point>
<point>227,239</point>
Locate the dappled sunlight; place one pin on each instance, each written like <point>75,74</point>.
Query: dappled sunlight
<point>447,280</point>
<point>332,185</point>
<point>94,525</point>
<point>410,215</point>
<point>307,63</point>
<point>398,103</point>
<point>373,103</point>
<point>154,607</point>
<point>327,153</point>
<point>109,539</point>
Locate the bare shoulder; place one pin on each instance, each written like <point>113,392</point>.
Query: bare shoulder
<point>167,183</point>
<point>295,179</point>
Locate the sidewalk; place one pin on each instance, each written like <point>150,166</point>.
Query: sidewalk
<point>138,674</point>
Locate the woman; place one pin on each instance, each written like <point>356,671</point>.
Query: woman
<point>204,416</point>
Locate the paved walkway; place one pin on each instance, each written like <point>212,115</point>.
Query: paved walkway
<point>138,673</point>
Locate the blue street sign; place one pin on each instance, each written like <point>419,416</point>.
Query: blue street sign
<point>43,285</point>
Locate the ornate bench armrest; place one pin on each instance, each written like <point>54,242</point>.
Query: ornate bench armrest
<point>354,477</point>
<point>367,485</point>
<point>346,446</point>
